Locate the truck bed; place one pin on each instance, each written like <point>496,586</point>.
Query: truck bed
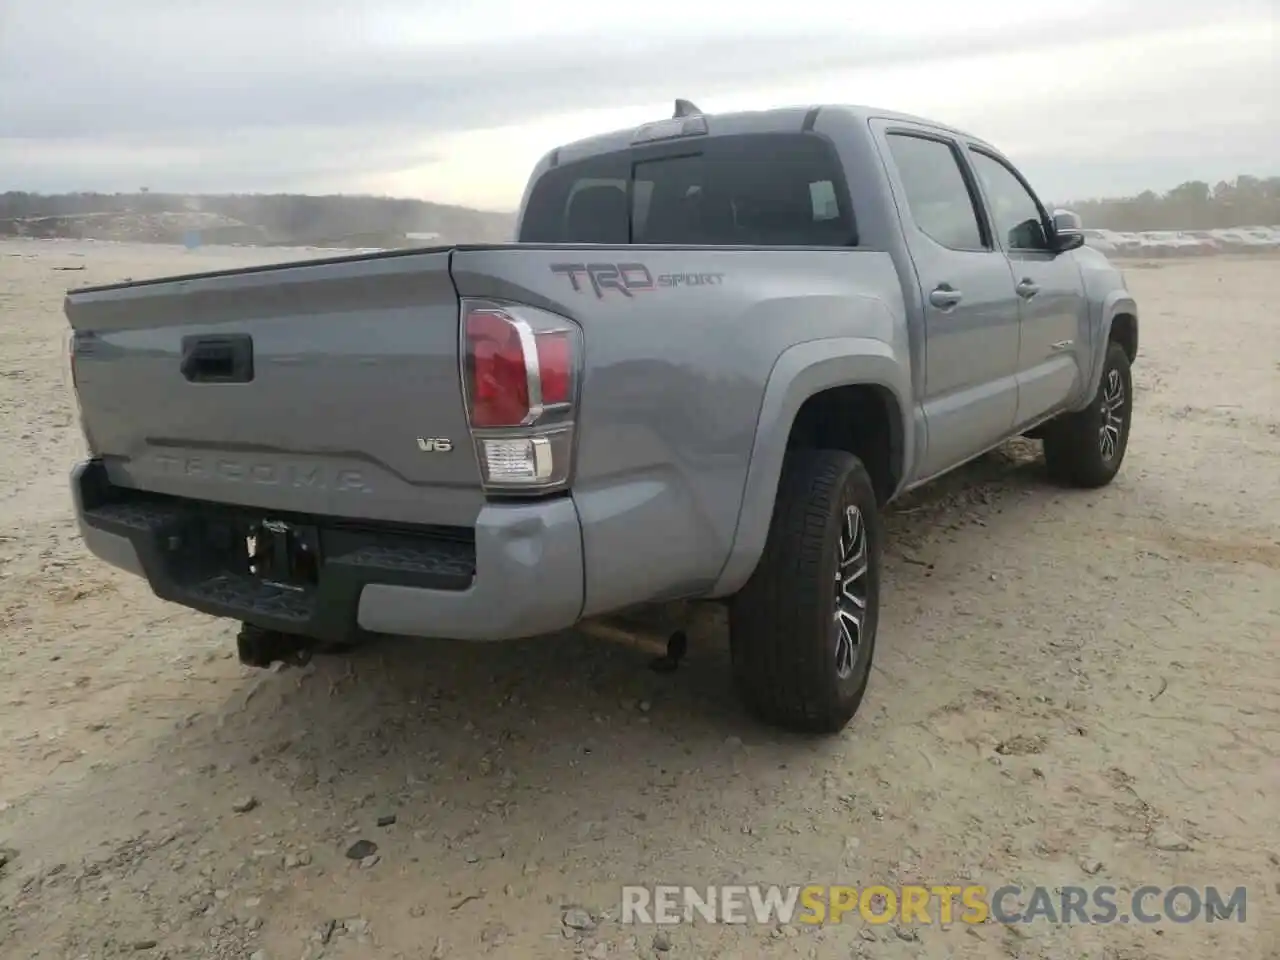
<point>80,292</point>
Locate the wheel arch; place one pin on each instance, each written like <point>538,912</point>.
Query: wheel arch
<point>1119,322</point>
<point>1124,331</point>
<point>848,393</point>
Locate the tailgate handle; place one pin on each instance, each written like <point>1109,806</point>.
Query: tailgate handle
<point>222,359</point>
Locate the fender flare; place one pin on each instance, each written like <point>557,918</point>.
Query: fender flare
<point>1116,303</point>
<point>802,371</point>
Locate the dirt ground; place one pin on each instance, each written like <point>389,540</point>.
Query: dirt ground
<point>1071,688</point>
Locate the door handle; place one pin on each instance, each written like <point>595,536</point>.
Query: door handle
<point>944,296</point>
<point>1028,288</point>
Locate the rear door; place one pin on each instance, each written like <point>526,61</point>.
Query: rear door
<point>304,388</point>
<point>1049,287</point>
<point>971,312</point>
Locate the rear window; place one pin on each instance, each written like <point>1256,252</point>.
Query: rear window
<point>749,190</point>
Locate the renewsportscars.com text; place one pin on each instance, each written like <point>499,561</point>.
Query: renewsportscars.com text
<point>920,904</point>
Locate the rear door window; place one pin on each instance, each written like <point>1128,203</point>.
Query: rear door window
<point>748,190</point>
<point>938,195</point>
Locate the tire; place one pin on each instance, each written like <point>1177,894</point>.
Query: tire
<point>1085,449</point>
<point>783,623</point>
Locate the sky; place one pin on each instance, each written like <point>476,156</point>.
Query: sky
<point>1089,97</point>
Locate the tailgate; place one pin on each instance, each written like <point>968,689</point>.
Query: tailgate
<point>304,388</point>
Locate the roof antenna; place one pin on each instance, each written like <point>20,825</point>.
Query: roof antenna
<point>685,108</point>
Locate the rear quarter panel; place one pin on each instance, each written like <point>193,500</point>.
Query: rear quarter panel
<point>674,383</point>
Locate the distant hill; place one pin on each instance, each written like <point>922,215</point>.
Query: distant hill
<point>284,219</point>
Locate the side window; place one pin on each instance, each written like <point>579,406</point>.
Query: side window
<point>826,206</point>
<point>937,193</point>
<point>1016,214</point>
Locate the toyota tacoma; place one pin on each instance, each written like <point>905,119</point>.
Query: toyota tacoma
<point>721,345</point>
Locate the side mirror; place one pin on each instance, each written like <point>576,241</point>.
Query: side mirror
<point>1068,240</point>
<point>1068,231</point>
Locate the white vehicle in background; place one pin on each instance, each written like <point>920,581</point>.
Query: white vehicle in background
<point>1127,243</point>
<point>1263,236</point>
<point>1246,240</point>
<point>1173,243</point>
<point>1206,238</point>
<point>1148,245</point>
<point>1229,240</point>
<point>1098,240</point>
<point>1151,244</point>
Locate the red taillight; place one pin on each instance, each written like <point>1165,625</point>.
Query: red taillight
<point>498,371</point>
<point>499,384</point>
<point>555,370</point>
<point>520,367</point>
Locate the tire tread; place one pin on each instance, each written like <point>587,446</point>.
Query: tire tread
<point>780,666</point>
<point>1071,452</point>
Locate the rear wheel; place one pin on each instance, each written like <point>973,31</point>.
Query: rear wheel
<point>1085,449</point>
<point>803,628</point>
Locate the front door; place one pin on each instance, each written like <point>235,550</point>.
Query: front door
<point>1050,292</point>
<point>971,312</point>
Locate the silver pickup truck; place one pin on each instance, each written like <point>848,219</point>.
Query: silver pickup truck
<point>722,344</point>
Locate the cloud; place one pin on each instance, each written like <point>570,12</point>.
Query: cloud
<point>279,94</point>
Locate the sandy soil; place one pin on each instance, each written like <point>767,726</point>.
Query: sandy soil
<point>1064,681</point>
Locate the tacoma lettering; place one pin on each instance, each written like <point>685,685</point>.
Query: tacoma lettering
<point>295,476</point>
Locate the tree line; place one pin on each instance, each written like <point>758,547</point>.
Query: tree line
<point>1246,201</point>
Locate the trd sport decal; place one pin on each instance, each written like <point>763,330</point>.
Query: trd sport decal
<point>629,279</point>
